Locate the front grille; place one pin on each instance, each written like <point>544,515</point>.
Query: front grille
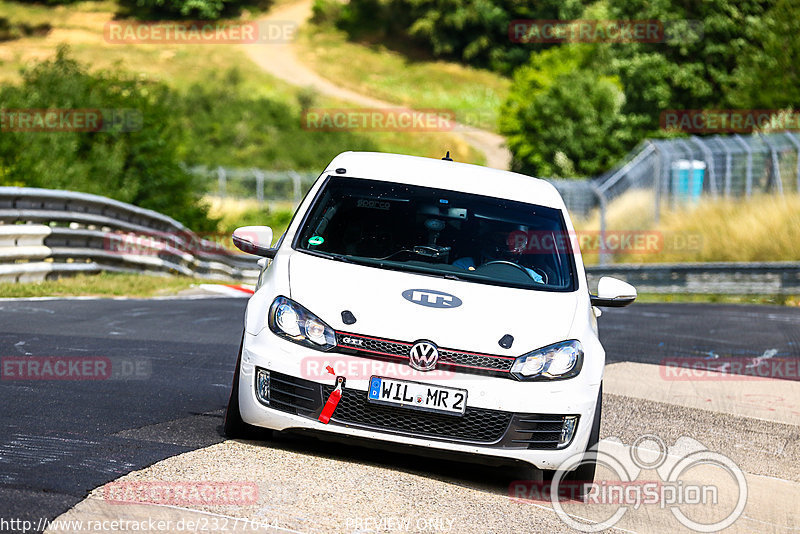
<point>381,347</point>
<point>468,362</point>
<point>481,426</point>
<point>475,361</point>
<point>476,425</point>
<point>537,431</point>
<point>294,395</point>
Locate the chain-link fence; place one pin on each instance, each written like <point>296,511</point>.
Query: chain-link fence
<point>683,170</point>
<point>675,171</point>
<point>259,184</point>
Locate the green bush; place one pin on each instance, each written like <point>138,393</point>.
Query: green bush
<point>572,126</point>
<point>278,220</point>
<point>696,66</point>
<point>10,31</point>
<point>213,124</point>
<point>471,31</point>
<point>187,9</point>
<point>225,126</point>
<point>139,166</point>
<point>767,76</point>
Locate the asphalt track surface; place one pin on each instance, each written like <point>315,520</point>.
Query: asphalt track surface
<point>63,438</point>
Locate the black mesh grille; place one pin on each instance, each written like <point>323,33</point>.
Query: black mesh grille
<point>302,397</point>
<point>475,360</point>
<point>467,362</point>
<point>368,344</point>
<point>294,395</point>
<point>476,425</point>
<point>537,431</point>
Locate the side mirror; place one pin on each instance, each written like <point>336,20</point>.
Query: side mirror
<point>613,293</point>
<point>255,240</point>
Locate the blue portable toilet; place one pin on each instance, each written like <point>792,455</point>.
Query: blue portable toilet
<point>687,179</point>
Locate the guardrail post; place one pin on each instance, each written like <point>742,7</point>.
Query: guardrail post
<point>259,186</point>
<point>796,144</point>
<point>749,172</point>
<point>657,183</point>
<point>709,159</point>
<point>602,258</point>
<point>296,187</point>
<point>728,167</point>
<point>776,171</point>
<point>221,181</point>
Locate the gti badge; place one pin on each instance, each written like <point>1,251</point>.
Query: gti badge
<point>423,356</point>
<point>431,298</point>
<point>352,341</point>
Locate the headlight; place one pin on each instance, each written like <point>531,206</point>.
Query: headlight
<point>560,360</point>
<point>291,321</point>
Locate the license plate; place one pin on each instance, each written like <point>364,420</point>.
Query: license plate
<point>417,396</point>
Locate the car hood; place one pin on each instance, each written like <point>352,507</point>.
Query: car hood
<point>375,296</point>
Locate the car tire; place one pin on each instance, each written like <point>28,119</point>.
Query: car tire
<point>586,470</point>
<point>233,425</point>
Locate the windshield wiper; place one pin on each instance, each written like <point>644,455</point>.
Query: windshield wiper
<point>426,251</point>
<point>333,256</point>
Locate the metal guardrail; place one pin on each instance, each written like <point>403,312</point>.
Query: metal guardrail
<point>773,278</point>
<point>46,233</point>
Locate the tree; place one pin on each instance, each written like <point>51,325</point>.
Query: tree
<point>137,162</point>
<point>475,32</point>
<point>768,74</point>
<point>563,118</point>
<point>695,66</point>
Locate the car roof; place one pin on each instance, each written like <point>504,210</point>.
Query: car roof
<point>449,175</point>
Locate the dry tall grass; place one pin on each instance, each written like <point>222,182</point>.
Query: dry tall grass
<point>760,228</point>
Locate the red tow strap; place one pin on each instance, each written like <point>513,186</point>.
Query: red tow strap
<point>333,401</point>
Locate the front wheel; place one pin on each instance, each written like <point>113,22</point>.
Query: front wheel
<point>233,425</point>
<point>586,470</point>
<point>584,474</point>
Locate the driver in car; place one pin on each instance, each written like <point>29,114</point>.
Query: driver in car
<point>506,249</point>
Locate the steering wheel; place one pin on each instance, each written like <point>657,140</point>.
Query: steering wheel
<point>520,267</point>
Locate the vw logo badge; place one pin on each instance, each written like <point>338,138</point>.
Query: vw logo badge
<point>423,356</point>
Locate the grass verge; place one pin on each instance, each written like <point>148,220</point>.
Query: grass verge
<point>775,300</point>
<point>81,26</point>
<point>475,95</point>
<point>102,285</point>
<point>760,228</point>
<point>234,213</point>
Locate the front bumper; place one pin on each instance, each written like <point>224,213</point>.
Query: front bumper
<point>500,422</point>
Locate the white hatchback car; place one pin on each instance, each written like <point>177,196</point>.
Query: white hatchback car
<point>426,303</point>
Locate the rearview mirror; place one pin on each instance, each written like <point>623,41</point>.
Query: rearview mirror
<point>613,293</point>
<point>255,240</point>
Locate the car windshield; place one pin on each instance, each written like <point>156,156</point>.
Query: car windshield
<point>439,232</point>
